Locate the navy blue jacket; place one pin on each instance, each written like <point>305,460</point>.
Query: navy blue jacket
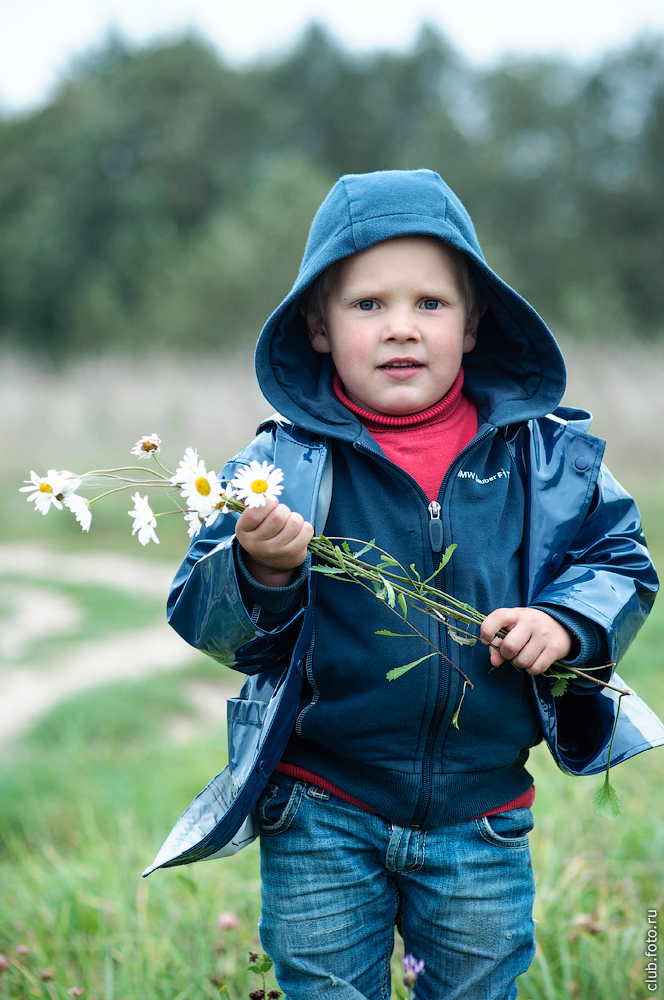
<point>536,518</point>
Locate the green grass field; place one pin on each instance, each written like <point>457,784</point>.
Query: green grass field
<point>87,796</point>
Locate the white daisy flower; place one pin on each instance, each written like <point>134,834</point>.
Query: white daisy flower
<point>203,493</point>
<point>148,445</point>
<point>221,507</point>
<point>255,483</point>
<point>51,489</point>
<point>144,520</point>
<point>80,508</point>
<point>189,469</point>
<point>195,521</point>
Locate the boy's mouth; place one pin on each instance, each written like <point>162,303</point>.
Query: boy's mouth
<point>402,363</point>
<point>401,369</point>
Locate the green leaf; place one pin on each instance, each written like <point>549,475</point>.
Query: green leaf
<point>364,549</point>
<point>223,992</point>
<point>606,803</point>
<point>461,638</point>
<point>396,635</point>
<point>386,562</point>
<point>403,605</point>
<point>346,547</point>
<point>560,682</point>
<point>262,966</point>
<point>415,573</point>
<point>391,596</point>
<point>329,570</point>
<point>455,717</point>
<point>398,671</point>
<point>447,555</point>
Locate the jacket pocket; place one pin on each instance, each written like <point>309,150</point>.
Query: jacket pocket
<point>508,829</point>
<point>278,806</point>
<point>246,718</point>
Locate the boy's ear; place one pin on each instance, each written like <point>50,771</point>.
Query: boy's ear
<point>472,324</point>
<point>316,327</point>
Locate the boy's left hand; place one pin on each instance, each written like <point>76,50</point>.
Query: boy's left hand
<point>533,641</point>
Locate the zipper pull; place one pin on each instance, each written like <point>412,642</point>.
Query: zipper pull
<point>435,527</point>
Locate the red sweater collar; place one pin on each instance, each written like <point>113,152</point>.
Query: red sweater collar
<point>440,411</point>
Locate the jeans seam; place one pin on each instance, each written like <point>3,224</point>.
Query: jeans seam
<point>289,813</point>
<point>386,984</point>
<point>510,844</point>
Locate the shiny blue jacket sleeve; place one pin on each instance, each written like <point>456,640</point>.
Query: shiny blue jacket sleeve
<point>606,573</point>
<point>205,605</point>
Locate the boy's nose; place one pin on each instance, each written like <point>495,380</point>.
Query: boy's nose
<point>401,327</point>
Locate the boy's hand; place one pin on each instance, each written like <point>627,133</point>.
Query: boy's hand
<point>533,641</point>
<point>274,539</point>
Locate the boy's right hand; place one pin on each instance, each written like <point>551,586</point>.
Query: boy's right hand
<point>274,540</point>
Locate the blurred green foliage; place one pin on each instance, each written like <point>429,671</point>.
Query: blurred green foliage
<point>163,198</point>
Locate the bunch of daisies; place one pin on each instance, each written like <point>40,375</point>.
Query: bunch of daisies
<point>202,495</point>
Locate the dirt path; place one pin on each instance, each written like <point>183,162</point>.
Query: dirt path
<point>27,691</point>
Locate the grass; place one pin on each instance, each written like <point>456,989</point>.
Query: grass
<point>88,795</point>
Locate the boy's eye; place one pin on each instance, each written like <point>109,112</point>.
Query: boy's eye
<point>431,304</point>
<point>366,305</point>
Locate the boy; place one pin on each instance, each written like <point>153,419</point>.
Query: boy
<point>414,388</point>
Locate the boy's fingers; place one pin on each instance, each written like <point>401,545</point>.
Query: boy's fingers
<point>500,618</point>
<point>252,517</point>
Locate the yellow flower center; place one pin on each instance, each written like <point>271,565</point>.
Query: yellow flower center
<point>148,446</point>
<point>259,486</point>
<point>202,486</point>
<point>45,488</point>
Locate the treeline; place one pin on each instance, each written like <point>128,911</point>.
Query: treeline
<point>163,198</point>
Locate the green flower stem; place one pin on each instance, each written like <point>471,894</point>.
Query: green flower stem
<point>127,468</point>
<point>118,489</point>
<point>423,597</point>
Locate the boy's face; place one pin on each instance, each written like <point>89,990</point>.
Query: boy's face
<point>396,325</point>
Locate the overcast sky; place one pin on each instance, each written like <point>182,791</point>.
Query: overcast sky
<point>39,37</point>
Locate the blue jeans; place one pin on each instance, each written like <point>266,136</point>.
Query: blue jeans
<point>336,880</point>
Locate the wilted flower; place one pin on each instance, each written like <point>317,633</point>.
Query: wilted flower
<point>46,974</point>
<point>75,991</point>
<point>4,964</point>
<point>253,957</point>
<point>80,508</point>
<point>148,445</point>
<point>273,994</point>
<point>144,520</point>
<point>22,949</point>
<point>413,968</point>
<point>227,921</point>
<point>257,482</point>
<point>257,995</point>
<point>51,489</point>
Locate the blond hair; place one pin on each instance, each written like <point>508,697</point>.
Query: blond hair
<point>321,286</point>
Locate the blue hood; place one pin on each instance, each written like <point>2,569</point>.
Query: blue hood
<point>516,371</point>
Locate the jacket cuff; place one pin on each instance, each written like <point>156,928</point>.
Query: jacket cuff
<point>275,600</point>
<point>592,652</point>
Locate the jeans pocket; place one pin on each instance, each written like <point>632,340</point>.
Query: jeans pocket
<point>278,805</point>
<point>507,829</point>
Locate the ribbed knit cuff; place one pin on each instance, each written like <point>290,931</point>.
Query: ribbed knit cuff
<point>593,651</point>
<point>275,600</point>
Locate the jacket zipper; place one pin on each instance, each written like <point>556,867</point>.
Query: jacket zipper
<point>435,527</point>
<point>435,538</point>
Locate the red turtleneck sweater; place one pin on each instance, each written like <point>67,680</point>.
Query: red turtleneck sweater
<point>423,444</point>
